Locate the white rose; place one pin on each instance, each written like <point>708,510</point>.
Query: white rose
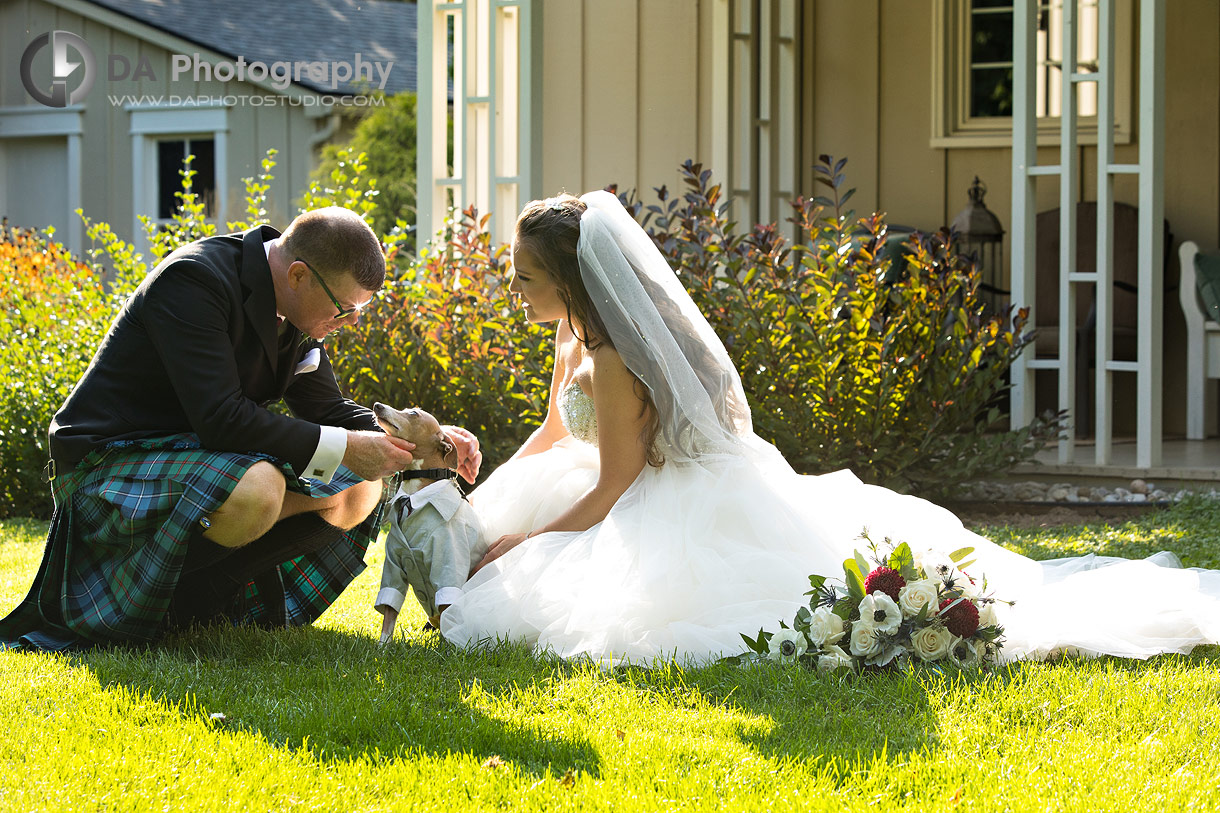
<point>834,658</point>
<point>917,595</point>
<point>786,645</point>
<point>987,615</point>
<point>933,642</point>
<point>825,627</point>
<point>864,641</point>
<point>879,612</point>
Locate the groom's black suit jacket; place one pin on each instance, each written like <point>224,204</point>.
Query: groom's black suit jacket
<point>197,349</point>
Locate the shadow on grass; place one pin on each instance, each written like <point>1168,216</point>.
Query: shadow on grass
<point>846,723</point>
<point>342,697</point>
<point>839,721</point>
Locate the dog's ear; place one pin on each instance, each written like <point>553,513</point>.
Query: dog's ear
<point>448,449</point>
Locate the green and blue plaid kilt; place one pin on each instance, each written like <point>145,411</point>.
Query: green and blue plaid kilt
<point>119,534</point>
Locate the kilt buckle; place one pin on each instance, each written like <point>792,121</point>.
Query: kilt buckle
<point>48,471</point>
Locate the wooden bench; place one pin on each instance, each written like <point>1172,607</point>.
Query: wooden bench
<point>1202,348</point>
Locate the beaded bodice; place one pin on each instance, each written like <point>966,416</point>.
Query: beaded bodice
<point>576,413</point>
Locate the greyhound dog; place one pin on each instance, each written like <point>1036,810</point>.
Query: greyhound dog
<point>435,537</point>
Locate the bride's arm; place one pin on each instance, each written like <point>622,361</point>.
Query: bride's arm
<point>621,420</point>
<point>622,417</point>
<point>552,429</point>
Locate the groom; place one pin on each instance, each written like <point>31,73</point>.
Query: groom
<point>179,496</point>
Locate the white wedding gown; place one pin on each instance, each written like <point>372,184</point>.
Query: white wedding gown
<point>695,553</point>
<point>722,538</point>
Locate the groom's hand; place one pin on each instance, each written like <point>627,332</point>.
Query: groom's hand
<point>470,458</point>
<point>373,455</point>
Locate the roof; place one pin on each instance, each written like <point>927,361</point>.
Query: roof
<point>292,31</point>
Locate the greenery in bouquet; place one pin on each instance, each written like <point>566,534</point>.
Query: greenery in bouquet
<point>905,606</point>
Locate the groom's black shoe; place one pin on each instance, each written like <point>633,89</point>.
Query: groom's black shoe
<point>213,582</point>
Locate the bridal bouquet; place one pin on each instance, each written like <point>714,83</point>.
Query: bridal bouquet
<point>905,605</point>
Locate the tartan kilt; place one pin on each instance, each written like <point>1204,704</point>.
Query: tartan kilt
<point>119,534</point>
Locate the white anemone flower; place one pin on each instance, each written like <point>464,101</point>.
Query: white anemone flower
<point>880,612</point>
<point>965,652</point>
<point>787,645</point>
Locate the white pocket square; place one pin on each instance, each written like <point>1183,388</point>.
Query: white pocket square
<point>310,363</point>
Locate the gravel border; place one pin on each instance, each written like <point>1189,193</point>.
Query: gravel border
<point>1030,491</point>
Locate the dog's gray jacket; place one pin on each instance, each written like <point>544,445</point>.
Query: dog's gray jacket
<point>434,540</point>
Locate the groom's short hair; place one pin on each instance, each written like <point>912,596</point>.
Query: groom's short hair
<point>334,240</point>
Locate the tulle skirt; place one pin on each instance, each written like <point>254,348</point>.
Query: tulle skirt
<point>692,555</point>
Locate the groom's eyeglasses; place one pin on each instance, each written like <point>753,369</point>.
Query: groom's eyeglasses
<point>338,305</point>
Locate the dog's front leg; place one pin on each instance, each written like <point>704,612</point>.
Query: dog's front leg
<point>388,617</point>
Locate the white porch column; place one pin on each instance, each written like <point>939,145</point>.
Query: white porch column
<point>1024,161</point>
<point>477,68</point>
<point>1152,236</point>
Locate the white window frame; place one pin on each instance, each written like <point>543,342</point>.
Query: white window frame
<point>28,122</point>
<point>952,124</point>
<point>152,124</point>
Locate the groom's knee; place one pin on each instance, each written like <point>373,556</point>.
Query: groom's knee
<point>353,505</point>
<point>251,508</point>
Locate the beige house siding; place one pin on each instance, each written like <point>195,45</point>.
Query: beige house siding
<point>628,92</point>
<point>106,140</point>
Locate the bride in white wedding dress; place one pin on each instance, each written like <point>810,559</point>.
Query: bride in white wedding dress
<point>645,519</point>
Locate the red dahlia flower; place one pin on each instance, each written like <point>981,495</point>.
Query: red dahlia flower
<point>885,579</point>
<point>962,619</point>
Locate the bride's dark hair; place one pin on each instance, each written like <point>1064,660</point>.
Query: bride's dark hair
<point>550,229</point>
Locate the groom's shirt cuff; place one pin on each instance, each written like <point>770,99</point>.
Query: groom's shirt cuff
<point>332,445</point>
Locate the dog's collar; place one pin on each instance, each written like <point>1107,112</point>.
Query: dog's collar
<point>428,474</point>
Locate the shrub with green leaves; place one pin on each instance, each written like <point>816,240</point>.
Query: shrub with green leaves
<point>54,311</point>
<point>385,137</point>
<point>852,358</point>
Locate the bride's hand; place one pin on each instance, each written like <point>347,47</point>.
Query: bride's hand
<point>502,546</point>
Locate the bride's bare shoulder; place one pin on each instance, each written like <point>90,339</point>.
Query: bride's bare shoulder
<point>609,370</point>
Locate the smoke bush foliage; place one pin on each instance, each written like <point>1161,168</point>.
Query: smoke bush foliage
<point>853,355</point>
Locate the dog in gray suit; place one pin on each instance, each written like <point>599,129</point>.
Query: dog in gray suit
<point>435,538</point>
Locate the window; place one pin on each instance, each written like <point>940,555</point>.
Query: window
<point>161,139</point>
<point>171,155</point>
<point>973,62</point>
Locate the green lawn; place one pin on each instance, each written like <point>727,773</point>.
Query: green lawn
<point>322,718</point>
